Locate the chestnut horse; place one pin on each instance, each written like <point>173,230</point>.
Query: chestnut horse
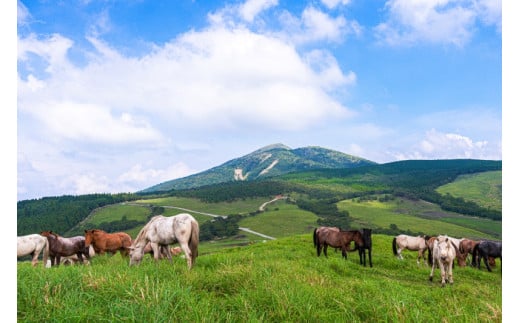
<point>337,239</point>
<point>64,247</point>
<point>466,247</point>
<point>108,242</point>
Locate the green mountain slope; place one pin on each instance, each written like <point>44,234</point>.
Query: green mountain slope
<point>266,162</point>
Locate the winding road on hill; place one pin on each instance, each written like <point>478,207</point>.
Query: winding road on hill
<point>261,208</point>
<point>223,216</point>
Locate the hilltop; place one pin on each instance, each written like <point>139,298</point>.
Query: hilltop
<point>269,161</point>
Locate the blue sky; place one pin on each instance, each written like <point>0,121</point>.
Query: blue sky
<point>117,96</point>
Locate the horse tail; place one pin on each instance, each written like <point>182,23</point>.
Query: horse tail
<point>475,254</point>
<point>394,246</point>
<point>194,241</point>
<point>45,252</point>
<point>314,237</point>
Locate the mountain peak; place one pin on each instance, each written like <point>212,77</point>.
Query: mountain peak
<point>271,147</point>
<point>269,161</point>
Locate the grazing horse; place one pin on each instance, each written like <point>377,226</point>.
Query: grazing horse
<point>163,231</point>
<point>403,241</point>
<point>337,239</point>
<point>466,248</point>
<point>64,247</point>
<point>108,242</point>
<point>444,252</point>
<point>485,249</point>
<point>367,245</point>
<point>33,244</point>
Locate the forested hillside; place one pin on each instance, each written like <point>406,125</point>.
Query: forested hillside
<point>317,191</point>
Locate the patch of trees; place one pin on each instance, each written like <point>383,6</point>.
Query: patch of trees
<point>232,191</point>
<point>61,213</point>
<point>219,227</point>
<point>327,211</point>
<point>110,227</point>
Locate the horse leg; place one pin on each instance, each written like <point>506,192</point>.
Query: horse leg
<point>187,252</point>
<point>486,261</point>
<point>325,246</point>
<point>432,271</point>
<point>80,257</point>
<point>444,268</point>
<point>370,256</point>
<point>450,273</point>
<point>58,260</point>
<point>34,255</point>
<point>168,252</point>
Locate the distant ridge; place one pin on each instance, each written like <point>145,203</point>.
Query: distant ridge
<point>268,161</point>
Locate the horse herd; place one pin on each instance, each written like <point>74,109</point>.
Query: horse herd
<point>154,238</point>
<point>442,250</point>
<point>160,232</point>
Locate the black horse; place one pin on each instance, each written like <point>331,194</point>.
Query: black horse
<point>485,249</point>
<point>367,245</point>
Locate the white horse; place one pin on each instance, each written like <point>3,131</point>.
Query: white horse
<point>33,244</point>
<point>163,231</point>
<point>444,252</point>
<point>403,241</point>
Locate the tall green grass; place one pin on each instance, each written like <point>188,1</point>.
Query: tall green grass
<point>274,281</point>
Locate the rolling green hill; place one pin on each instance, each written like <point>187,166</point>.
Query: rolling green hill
<point>485,189</point>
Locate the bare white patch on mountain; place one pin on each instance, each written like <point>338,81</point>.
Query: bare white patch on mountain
<point>239,176</point>
<point>265,171</point>
<point>264,157</point>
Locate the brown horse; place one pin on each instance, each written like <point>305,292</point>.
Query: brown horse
<point>64,247</point>
<point>337,239</point>
<point>466,247</point>
<point>108,242</point>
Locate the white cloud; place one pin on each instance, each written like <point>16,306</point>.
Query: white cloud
<point>439,145</point>
<point>139,175</point>
<point>434,21</point>
<point>315,25</point>
<point>251,8</point>
<point>201,84</point>
<point>331,4</point>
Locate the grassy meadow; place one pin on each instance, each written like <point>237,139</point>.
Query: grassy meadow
<point>485,189</point>
<point>273,281</point>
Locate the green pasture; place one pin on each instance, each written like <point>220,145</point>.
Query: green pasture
<point>281,219</point>
<point>415,216</point>
<point>239,206</point>
<point>273,281</point>
<point>117,211</point>
<point>485,189</point>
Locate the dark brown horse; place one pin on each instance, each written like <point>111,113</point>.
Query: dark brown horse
<point>108,242</point>
<point>367,245</point>
<point>337,239</point>
<point>64,247</point>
